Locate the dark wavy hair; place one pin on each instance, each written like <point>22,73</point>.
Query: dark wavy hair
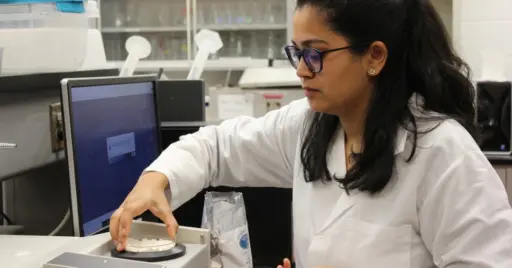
<point>421,62</point>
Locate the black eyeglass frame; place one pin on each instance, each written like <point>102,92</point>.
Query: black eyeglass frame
<point>321,53</point>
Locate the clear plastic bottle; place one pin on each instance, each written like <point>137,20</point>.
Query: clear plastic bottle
<point>232,45</point>
<point>254,49</point>
<point>271,46</point>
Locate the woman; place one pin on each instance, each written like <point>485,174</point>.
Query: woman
<point>381,154</point>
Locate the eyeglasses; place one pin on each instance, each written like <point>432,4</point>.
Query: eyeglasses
<point>312,56</point>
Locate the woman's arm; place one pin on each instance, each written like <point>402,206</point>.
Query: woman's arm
<point>244,151</point>
<point>466,219</point>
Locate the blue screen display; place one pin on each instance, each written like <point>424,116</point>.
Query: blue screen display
<point>115,136</point>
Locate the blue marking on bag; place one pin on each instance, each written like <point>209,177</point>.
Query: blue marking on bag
<point>244,241</point>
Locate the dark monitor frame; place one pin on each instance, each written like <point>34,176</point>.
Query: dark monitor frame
<point>67,85</point>
<point>480,90</point>
<point>176,95</point>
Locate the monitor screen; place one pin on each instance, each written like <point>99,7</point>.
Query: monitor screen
<point>114,138</point>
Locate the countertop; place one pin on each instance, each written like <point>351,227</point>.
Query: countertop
<point>500,159</point>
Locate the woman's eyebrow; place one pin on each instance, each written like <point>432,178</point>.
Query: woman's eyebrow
<point>309,42</point>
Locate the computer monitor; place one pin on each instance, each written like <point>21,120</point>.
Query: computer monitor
<point>112,133</point>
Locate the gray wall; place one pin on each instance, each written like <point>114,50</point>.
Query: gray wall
<point>37,186</point>
<point>38,199</point>
<point>36,191</point>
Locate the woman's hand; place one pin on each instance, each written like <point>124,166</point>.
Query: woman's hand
<point>286,264</point>
<point>148,194</point>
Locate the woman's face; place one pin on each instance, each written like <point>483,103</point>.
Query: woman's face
<point>344,84</point>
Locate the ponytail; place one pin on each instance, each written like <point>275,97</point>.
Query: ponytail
<point>434,71</point>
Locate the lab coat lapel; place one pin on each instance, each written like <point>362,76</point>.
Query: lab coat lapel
<point>340,210</point>
<point>337,166</point>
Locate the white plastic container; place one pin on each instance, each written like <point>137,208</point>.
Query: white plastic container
<point>95,57</point>
<point>38,38</point>
<point>93,13</point>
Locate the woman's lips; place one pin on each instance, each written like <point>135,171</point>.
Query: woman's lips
<point>310,91</point>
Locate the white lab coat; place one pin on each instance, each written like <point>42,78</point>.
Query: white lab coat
<point>447,208</point>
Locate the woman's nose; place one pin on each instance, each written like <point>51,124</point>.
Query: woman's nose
<point>303,70</point>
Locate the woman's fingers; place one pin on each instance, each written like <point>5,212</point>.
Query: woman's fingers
<point>114,224</point>
<point>129,212</point>
<point>287,263</point>
<point>164,212</point>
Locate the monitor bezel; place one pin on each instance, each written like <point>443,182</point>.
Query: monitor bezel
<point>67,85</point>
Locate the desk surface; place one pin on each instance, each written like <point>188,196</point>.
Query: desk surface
<point>19,250</point>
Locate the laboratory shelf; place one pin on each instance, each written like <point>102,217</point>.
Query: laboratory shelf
<point>246,27</point>
<point>256,29</point>
<point>233,64</point>
<point>144,29</point>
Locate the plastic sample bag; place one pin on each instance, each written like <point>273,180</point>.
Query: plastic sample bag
<point>224,215</point>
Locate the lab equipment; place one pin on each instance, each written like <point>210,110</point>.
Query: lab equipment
<point>176,96</point>
<point>39,37</point>
<point>273,77</point>
<point>260,91</point>
<point>138,48</point>
<point>227,103</point>
<point>95,251</point>
<point>150,244</point>
<point>494,113</point>
<point>208,42</point>
<point>112,134</point>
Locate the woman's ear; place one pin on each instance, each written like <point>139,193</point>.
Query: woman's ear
<point>376,57</point>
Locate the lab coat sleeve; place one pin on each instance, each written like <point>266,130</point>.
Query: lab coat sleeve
<point>241,152</point>
<point>465,219</point>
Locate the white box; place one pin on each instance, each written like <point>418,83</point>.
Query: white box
<point>39,38</point>
<point>227,103</point>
